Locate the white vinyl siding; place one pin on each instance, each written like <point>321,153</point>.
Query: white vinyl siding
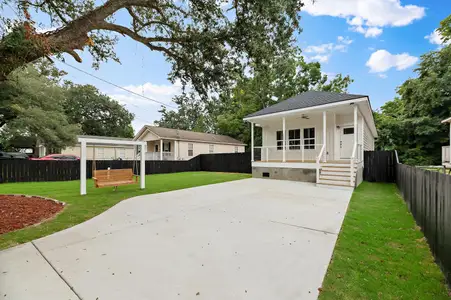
<point>368,139</point>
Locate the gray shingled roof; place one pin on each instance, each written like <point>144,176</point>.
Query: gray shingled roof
<point>178,134</point>
<point>304,100</point>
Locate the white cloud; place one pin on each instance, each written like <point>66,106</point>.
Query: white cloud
<point>320,58</point>
<point>145,110</point>
<point>367,16</point>
<point>382,60</point>
<point>323,52</point>
<point>435,38</point>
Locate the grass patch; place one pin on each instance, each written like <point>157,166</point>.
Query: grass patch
<point>81,208</point>
<point>380,252</point>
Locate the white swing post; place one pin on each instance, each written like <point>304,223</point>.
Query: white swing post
<point>85,141</point>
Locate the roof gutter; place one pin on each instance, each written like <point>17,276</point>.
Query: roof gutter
<point>300,110</point>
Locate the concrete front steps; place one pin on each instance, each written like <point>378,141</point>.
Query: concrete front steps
<point>336,174</point>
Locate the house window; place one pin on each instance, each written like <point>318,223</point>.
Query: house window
<point>309,138</point>
<point>100,153</point>
<point>279,138</point>
<point>348,130</point>
<point>211,148</point>
<point>167,147</point>
<point>294,139</point>
<point>190,149</point>
<point>236,149</point>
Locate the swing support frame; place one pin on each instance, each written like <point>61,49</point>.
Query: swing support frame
<point>85,141</point>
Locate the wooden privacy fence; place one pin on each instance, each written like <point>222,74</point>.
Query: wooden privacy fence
<point>226,162</point>
<point>47,170</point>
<point>379,166</point>
<point>428,197</point>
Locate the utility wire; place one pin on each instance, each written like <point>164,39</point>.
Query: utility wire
<point>118,86</point>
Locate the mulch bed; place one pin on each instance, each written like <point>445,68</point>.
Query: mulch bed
<point>17,212</point>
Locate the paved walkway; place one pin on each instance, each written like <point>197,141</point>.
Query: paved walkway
<point>248,239</point>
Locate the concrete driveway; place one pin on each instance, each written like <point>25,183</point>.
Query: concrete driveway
<point>249,239</point>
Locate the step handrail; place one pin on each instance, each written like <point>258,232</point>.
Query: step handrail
<point>318,158</point>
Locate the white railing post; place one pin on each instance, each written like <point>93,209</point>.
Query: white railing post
<point>252,142</point>
<point>284,140</point>
<point>142,173</point>
<point>302,150</point>
<point>267,156</point>
<point>324,133</point>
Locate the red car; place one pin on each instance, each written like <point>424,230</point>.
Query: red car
<point>58,157</point>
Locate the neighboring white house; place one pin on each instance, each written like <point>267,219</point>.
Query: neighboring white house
<point>103,151</point>
<point>446,150</point>
<point>315,136</point>
<point>174,144</point>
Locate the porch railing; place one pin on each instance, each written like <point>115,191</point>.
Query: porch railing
<point>356,161</point>
<point>156,155</point>
<point>299,153</point>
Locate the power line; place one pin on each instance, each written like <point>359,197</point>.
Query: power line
<point>118,86</point>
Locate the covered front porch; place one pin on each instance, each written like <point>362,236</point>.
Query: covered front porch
<point>161,149</point>
<point>309,138</point>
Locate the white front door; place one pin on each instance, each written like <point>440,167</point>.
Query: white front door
<point>346,141</point>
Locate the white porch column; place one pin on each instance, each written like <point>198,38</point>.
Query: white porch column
<point>83,168</point>
<point>252,141</point>
<point>161,149</point>
<point>142,174</point>
<point>284,139</point>
<point>355,124</point>
<point>176,150</point>
<point>324,136</point>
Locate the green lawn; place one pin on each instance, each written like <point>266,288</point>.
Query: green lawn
<point>380,252</point>
<point>81,208</point>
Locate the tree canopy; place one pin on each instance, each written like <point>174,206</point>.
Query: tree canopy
<point>96,113</point>
<point>411,123</point>
<point>35,108</point>
<point>265,85</point>
<point>206,41</point>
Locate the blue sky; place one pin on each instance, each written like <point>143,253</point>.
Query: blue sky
<point>377,42</point>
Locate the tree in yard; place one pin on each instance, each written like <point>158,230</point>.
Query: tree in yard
<point>31,107</point>
<point>96,113</point>
<point>412,123</point>
<point>204,40</point>
<point>285,76</point>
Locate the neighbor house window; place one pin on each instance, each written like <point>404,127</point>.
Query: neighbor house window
<point>167,147</point>
<point>279,138</point>
<point>309,138</point>
<point>294,139</point>
<point>190,149</point>
<point>236,149</point>
<point>211,148</point>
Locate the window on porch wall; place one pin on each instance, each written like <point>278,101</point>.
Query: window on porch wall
<point>309,138</point>
<point>294,139</point>
<point>279,139</point>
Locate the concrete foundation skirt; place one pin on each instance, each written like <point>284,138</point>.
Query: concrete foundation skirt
<point>294,174</point>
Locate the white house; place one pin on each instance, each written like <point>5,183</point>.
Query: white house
<point>315,137</point>
<point>446,150</point>
<point>174,144</point>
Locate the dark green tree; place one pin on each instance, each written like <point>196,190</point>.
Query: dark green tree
<point>412,123</point>
<point>96,113</point>
<point>31,107</point>
<point>204,40</point>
